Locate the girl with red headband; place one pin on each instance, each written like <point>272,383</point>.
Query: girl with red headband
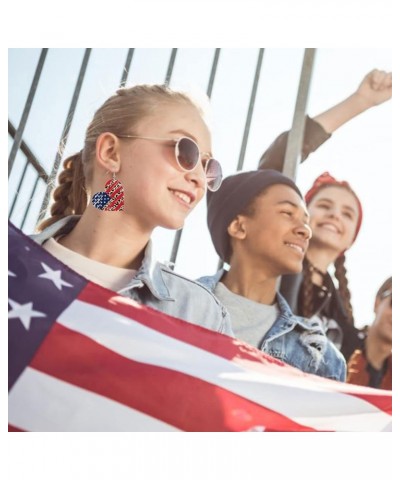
<point>336,217</point>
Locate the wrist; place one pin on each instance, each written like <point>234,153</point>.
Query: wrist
<point>359,102</point>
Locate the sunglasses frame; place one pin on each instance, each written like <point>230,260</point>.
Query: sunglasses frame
<point>177,140</point>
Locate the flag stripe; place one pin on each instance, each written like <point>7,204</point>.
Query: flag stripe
<point>235,351</point>
<point>178,399</point>
<point>71,409</point>
<point>272,389</point>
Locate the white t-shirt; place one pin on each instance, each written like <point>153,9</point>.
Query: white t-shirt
<point>113,278</point>
<point>250,320</point>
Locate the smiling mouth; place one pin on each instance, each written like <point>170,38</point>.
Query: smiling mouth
<point>330,227</point>
<point>184,197</point>
<point>296,247</point>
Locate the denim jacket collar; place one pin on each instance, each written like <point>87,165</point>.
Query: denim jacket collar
<point>149,273</point>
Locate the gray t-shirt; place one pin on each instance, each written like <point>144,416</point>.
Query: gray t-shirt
<point>250,320</point>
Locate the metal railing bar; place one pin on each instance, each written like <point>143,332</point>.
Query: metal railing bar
<point>296,134</point>
<point>127,67</point>
<point>248,121</point>
<point>18,188</point>
<point>29,202</point>
<point>250,110</point>
<point>213,72</point>
<point>29,154</point>
<point>65,133</point>
<point>26,111</point>
<point>178,234</point>
<point>170,66</point>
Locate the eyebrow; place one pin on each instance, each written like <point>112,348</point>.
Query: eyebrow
<point>347,207</point>
<point>294,205</point>
<point>185,133</point>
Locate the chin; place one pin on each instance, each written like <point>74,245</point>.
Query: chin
<point>174,225</point>
<point>292,269</point>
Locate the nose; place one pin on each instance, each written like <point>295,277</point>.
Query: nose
<point>304,231</point>
<point>334,212</point>
<point>197,177</point>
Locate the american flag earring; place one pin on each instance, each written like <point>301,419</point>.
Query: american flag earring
<point>112,198</point>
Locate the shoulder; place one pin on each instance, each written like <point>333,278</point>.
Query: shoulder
<point>357,362</point>
<point>192,285</point>
<point>196,301</point>
<point>209,281</point>
<point>64,225</point>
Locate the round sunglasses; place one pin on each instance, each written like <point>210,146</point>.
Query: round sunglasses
<point>188,155</point>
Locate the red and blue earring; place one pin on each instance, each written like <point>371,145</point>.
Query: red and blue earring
<point>112,198</point>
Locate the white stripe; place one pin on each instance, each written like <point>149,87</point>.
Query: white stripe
<point>41,403</point>
<point>303,398</point>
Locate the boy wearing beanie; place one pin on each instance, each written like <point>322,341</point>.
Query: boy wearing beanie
<point>259,226</point>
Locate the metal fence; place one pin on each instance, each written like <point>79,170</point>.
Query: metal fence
<point>32,175</point>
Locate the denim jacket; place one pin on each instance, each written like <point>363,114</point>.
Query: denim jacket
<point>298,341</point>
<point>159,287</point>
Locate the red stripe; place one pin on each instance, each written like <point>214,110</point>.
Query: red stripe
<point>208,340</point>
<point>115,202</point>
<point>219,344</point>
<point>117,194</point>
<point>181,400</point>
<point>112,184</point>
<point>11,428</point>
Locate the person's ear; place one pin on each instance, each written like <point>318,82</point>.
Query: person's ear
<point>237,228</point>
<point>107,152</point>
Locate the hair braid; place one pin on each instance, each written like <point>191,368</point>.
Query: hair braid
<point>340,274</point>
<point>307,291</point>
<point>70,197</point>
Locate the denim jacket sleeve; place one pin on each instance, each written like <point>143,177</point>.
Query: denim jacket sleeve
<point>333,357</point>
<point>302,343</point>
<point>331,363</point>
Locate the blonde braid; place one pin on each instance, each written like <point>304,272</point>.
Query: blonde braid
<point>70,197</point>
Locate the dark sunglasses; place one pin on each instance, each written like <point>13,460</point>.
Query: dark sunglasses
<point>188,155</point>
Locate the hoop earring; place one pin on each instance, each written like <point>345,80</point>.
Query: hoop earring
<point>112,198</point>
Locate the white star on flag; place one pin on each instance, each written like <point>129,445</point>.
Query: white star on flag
<point>24,312</point>
<point>54,276</point>
<point>11,274</point>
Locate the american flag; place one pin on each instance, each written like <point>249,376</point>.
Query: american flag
<point>83,358</point>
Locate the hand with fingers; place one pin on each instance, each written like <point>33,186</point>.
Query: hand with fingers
<point>375,88</point>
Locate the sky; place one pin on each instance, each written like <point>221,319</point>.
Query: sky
<point>359,152</point>
<point>334,24</point>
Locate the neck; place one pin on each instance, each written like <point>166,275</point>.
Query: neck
<point>377,349</point>
<point>108,237</point>
<point>250,283</point>
<point>320,258</point>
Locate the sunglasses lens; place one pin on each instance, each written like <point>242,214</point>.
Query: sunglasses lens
<point>213,174</point>
<point>187,154</point>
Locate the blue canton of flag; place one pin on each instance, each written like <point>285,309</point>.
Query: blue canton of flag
<point>38,292</point>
